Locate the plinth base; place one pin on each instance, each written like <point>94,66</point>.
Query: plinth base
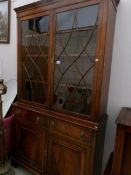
<point>6,169</point>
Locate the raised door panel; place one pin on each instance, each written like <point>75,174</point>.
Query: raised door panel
<point>65,157</point>
<point>30,143</point>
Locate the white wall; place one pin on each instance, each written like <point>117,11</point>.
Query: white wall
<point>120,83</point>
<point>8,51</point>
<point>8,55</point>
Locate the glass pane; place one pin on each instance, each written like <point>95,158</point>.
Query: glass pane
<point>85,17</point>
<point>75,49</point>
<point>34,61</point>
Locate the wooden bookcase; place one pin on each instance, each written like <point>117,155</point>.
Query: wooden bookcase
<point>64,61</point>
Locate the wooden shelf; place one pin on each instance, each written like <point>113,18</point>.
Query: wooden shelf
<point>76,30</point>
<point>35,35</point>
<point>35,55</point>
<point>75,86</point>
<point>36,81</point>
<point>75,55</point>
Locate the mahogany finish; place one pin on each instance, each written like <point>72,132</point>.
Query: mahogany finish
<point>122,151</point>
<point>52,138</point>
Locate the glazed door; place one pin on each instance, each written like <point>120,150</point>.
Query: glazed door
<point>75,57</point>
<point>34,59</point>
<point>66,157</point>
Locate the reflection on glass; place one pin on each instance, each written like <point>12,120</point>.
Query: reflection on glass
<point>74,55</point>
<point>34,61</point>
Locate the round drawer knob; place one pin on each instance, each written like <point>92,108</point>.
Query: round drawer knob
<point>82,134</point>
<point>52,123</point>
<point>17,112</point>
<point>37,118</point>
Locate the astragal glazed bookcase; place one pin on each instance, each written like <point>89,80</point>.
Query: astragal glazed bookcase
<point>64,61</point>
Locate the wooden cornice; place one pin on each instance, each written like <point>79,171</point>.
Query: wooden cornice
<point>46,2</point>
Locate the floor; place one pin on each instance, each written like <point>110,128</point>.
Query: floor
<point>21,171</point>
<point>8,169</point>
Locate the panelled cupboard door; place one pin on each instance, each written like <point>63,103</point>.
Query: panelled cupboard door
<point>66,157</point>
<point>29,146</point>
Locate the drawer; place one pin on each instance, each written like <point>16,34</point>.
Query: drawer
<point>30,116</point>
<point>20,113</point>
<point>72,130</point>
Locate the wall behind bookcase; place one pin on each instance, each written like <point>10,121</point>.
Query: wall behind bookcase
<point>120,82</point>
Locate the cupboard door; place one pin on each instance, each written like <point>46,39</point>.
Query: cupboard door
<point>34,59</point>
<point>65,157</point>
<point>29,146</point>
<point>75,55</point>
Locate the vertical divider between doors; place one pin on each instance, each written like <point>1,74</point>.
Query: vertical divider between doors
<point>51,51</point>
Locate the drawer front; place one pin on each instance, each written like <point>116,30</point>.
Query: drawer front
<point>20,114</point>
<point>30,116</point>
<point>69,129</point>
<point>54,125</point>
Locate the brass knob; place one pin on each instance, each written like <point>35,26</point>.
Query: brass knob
<point>37,118</point>
<point>17,112</point>
<point>52,123</point>
<point>82,134</point>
